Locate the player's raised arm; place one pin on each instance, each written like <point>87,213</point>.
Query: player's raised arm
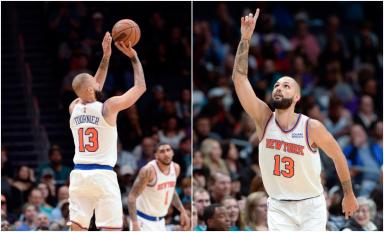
<point>319,135</point>
<point>176,202</point>
<point>118,103</point>
<point>255,107</point>
<point>101,73</point>
<point>142,179</point>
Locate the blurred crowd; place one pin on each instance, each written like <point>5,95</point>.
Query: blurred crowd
<point>37,199</point>
<point>334,51</point>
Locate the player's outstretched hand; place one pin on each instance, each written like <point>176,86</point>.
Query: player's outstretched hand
<point>185,221</point>
<point>248,24</point>
<point>128,51</point>
<point>106,44</point>
<point>350,205</point>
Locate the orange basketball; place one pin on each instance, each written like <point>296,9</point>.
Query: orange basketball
<point>126,30</point>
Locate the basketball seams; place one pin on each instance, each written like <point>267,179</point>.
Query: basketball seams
<point>129,28</point>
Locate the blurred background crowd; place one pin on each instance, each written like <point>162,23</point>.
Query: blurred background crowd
<point>334,51</point>
<point>48,44</point>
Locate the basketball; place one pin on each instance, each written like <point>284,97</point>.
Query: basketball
<point>126,30</point>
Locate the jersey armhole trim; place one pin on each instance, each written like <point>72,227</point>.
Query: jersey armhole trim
<point>307,137</point>
<point>155,181</point>
<point>265,128</point>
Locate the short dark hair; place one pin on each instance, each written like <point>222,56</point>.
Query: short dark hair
<point>53,149</point>
<point>209,211</point>
<point>161,144</point>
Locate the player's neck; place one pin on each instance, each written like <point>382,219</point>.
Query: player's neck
<point>286,118</point>
<point>165,169</point>
<point>87,100</point>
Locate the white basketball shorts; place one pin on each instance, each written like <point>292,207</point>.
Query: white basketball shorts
<point>309,214</point>
<point>97,190</point>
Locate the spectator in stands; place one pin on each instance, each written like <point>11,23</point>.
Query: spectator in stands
<point>211,150</point>
<point>42,222</point>
<point>60,171</point>
<point>49,197</point>
<point>220,186</point>
<point>183,157</point>
<point>216,218</point>
<point>202,200</point>
<point>366,116</point>
<point>125,157</point>
<point>377,133</point>
<point>147,149</point>
<point>171,133</point>
<point>231,159</point>
<point>186,195</point>
<point>203,130</point>
<point>303,40</point>
<point>61,224</point>
<point>28,221</point>
<point>62,197</point>
<point>256,211</point>
<point>363,217</point>
<point>36,198</point>
<point>234,214</point>
<point>20,188</point>
<point>365,158</point>
<point>338,121</point>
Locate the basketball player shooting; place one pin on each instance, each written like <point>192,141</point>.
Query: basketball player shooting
<point>93,183</point>
<point>288,150</point>
<point>154,191</point>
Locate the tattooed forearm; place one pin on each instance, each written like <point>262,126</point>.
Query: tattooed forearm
<point>176,202</point>
<point>137,188</point>
<point>101,73</point>
<point>104,63</point>
<point>347,187</point>
<point>241,60</point>
<point>138,72</point>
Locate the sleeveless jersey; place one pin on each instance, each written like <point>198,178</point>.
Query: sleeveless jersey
<point>290,168</point>
<point>95,140</point>
<point>157,196</point>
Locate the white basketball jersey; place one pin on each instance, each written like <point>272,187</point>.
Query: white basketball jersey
<point>157,196</point>
<point>290,169</point>
<point>95,140</point>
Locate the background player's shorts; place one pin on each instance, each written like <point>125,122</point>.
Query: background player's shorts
<point>147,225</point>
<point>310,214</point>
<point>95,190</point>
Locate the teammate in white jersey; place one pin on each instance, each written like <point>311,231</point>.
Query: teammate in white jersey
<point>288,155</point>
<point>154,191</point>
<point>93,183</point>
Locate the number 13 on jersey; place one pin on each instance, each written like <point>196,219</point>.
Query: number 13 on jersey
<point>93,140</point>
<point>289,166</point>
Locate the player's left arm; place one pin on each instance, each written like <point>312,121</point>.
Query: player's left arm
<point>101,73</point>
<point>176,202</point>
<point>319,135</point>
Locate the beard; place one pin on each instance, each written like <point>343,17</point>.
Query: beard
<point>163,162</point>
<point>99,96</point>
<point>282,104</point>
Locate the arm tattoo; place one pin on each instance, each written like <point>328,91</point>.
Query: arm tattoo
<point>137,188</point>
<point>104,63</point>
<point>176,202</point>
<point>138,72</point>
<point>241,60</point>
<point>347,187</point>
